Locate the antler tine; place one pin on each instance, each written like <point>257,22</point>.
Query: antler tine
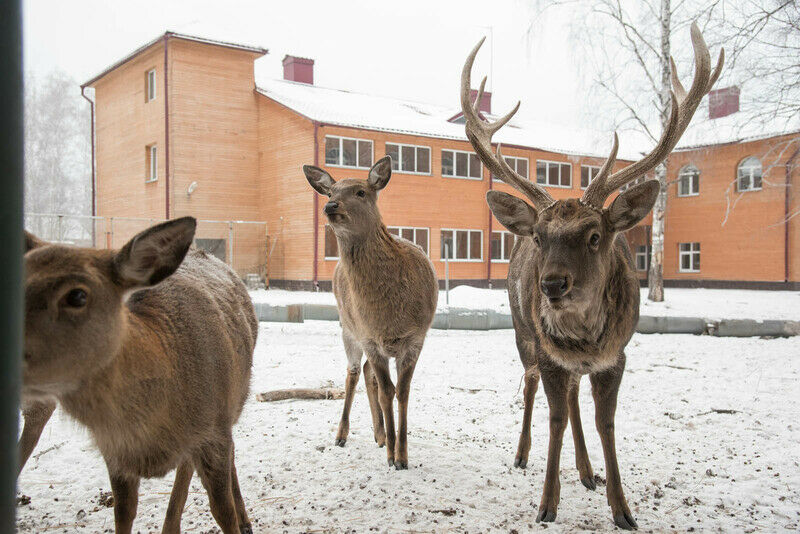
<point>479,132</point>
<point>684,105</point>
<point>602,174</point>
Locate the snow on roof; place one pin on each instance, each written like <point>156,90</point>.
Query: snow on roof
<point>346,108</point>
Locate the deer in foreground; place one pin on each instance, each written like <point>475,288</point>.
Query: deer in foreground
<point>151,348</point>
<point>386,292</point>
<point>573,293</point>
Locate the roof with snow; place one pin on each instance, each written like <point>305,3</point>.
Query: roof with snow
<point>356,110</point>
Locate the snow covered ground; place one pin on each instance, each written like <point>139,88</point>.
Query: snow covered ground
<point>708,303</point>
<point>684,466</point>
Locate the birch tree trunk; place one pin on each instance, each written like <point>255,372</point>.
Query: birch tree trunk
<point>655,277</point>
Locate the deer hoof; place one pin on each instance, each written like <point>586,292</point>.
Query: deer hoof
<point>589,483</point>
<point>340,442</point>
<point>521,463</point>
<point>624,520</point>
<point>400,466</point>
<point>548,516</point>
<point>391,462</point>
<point>246,529</point>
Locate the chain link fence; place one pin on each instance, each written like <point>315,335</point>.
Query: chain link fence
<point>240,244</point>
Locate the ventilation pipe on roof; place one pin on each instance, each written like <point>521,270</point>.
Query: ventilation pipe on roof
<point>486,100</point>
<point>723,102</point>
<point>298,69</point>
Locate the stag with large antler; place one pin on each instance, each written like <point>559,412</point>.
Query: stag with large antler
<point>573,293</point>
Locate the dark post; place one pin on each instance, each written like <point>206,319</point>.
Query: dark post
<point>11,140</point>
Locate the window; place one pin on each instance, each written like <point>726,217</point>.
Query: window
<point>151,163</point>
<point>643,257</point>
<point>501,245</point>
<point>460,164</point>
<point>462,245</point>
<point>749,175</point>
<point>409,158</point>
<point>347,152</point>
<point>150,85</point>
<point>689,181</point>
<point>554,174</point>
<point>689,257</point>
<point>418,236</point>
<point>588,174</point>
<point>518,164</point>
<point>637,181</point>
<point>331,246</point>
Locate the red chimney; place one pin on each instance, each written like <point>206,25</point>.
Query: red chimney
<point>723,102</point>
<point>298,69</point>
<point>486,100</point>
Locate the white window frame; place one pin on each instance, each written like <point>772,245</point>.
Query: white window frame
<point>744,166</point>
<point>637,181</point>
<point>152,169</point>
<point>689,172</point>
<point>414,228</point>
<point>469,168</point>
<point>151,88</point>
<point>645,254</point>
<point>593,170</point>
<point>341,152</point>
<point>324,236</point>
<point>502,246</point>
<point>399,169</point>
<point>515,166</point>
<point>694,248</point>
<point>547,177</point>
<point>469,244</point>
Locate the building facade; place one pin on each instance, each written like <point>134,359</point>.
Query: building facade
<point>182,127</point>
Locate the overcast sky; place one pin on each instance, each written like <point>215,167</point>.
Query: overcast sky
<point>412,49</point>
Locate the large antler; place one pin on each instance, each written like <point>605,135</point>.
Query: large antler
<point>480,131</point>
<point>683,107</point>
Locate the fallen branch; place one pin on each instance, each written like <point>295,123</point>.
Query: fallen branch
<point>472,390</point>
<point>724,411</point>
<point>301,393</point>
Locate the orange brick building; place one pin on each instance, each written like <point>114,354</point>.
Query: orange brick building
<point>182,127</point>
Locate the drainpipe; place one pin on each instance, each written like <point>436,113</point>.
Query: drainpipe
<point>489,237</point>
<point>316,209</point>
<point>94,185</point>
<point>787,186</point>
<point>166,125</point>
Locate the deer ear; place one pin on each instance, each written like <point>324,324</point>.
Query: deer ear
<point>154,254</point>
<point>320,180</point>
<point>512,212</point>
<point>380,173</point>
<point>32,242</point>
<point>633,205</point>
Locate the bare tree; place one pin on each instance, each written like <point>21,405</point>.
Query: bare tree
<point>57,150</point>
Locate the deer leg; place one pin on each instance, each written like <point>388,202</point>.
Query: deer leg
<point>556,386</point>
<point>386,391</point>
<point>354,352</point>
<point>371,384</point>
<point>405,371</point>
<point>126,498</point>
<point>581,454</point>
<point>605,387</point>
<point>177,499</point>
<point>213,464</point>
<point>531,385</point>
<point>245,527</point>
<point>36,416</point>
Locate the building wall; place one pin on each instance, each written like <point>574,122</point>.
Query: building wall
<point>741,234</point>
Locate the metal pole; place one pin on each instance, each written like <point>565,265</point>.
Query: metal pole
<point>11,309</point>
<point>447,274</point>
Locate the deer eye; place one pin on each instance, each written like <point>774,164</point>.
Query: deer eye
<point>536,240</point>
<point>594,240</point>
<point>76,298</point>
<point>361,193</point>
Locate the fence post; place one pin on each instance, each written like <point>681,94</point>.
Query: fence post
<point>110,243</point>
<point>60,228</point>
<point>230,242</point>
<point>447,274</point>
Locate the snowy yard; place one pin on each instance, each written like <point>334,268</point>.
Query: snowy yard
<point>707,303</point>
<point>684,466</point>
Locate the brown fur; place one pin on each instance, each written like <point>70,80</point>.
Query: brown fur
<point>159,375</point>
<point>386,292</point>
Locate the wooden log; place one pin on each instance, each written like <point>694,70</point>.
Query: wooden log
<point>301,393</point>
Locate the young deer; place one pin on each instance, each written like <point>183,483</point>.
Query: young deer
<point>386,292</point>
<point>573,293</point>
<point>151,348</point>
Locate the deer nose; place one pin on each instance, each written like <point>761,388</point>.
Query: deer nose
<point>554,286</point>
<point>331,207</point>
